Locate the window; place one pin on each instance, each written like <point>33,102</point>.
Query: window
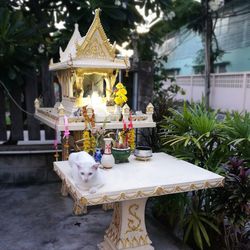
<point>173,72</point>
<point>218,68</point>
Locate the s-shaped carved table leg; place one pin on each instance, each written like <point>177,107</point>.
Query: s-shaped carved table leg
<point>127,230</point>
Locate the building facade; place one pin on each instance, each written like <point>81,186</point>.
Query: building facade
<point>184,48</point>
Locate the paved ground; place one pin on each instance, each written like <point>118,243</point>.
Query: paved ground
<point>39,218</point>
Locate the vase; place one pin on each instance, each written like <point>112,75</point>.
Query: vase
<point>108,160</point>
<point>98,155</point>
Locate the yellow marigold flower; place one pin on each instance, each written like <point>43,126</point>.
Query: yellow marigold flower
<point>124,98</point>
<point>123,91</point>
<point>118,100</point>
<point>119,96</point>
<point>119,85</point>
<point>118,92</point>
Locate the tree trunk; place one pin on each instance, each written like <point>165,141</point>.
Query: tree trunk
<point>30,95</point>
<point>48,93</point>
<point>16,116</point>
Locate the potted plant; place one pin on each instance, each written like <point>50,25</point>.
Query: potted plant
<point>121,152</point>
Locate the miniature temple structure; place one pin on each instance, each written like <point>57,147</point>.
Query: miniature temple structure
<point>87,72</point>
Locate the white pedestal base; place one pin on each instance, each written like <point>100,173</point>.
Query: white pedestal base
<point>127,229</point>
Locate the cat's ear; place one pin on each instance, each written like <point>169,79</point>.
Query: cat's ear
<point>96,166</point>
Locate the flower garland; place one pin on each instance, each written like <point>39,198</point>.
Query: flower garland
<point>66,138</point>
<point>56,155</point>
<point>86,141</point>
<point>89,142</point>
<point>120,93</point>
<point>131,133</point>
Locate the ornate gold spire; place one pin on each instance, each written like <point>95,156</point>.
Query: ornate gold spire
<point>96,44</point>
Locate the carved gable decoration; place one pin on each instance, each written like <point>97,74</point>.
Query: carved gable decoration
<point>96,44</point>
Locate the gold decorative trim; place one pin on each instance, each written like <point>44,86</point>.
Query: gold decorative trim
<point>114,230</point>
<point>133,242</point>
<point>91,47</point>
<point>134,225</point>
<point>157,191</point>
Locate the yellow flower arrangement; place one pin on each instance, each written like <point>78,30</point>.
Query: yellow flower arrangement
<point>120,94</point>
<point>93,143</point>
<point>131,138</point>
<point>86,142</point>
<point>119,85</point>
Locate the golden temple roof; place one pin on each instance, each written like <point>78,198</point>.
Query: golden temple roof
<point>96,43</point>
<point>91,51</point>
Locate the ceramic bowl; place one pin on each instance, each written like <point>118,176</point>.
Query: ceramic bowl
<point>143,152</point>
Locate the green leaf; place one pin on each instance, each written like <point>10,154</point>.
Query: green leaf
<point>204,233</point>
<point>187,232</point>
<point>213,226</point>
<point>197,235</point>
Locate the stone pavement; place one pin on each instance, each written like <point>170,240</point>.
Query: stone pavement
<point>39,218</point>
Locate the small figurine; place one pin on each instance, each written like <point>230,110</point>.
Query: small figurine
<point>60,110</point>
<point>125,112</point>
<point>150,111</point>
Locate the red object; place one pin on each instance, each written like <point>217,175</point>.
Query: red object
<point>130,126</point>
<point>124,125</point>
<point>108,149</point>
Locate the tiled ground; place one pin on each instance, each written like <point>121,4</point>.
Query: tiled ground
<point>39,218</point>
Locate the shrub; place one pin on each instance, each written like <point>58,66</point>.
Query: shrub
<point>196,135</point>
<point>163,100</point>
<point>231,203</point>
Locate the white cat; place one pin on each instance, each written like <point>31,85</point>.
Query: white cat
<point>86,172</point>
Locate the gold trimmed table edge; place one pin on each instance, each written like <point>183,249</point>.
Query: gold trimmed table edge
<point>129,195</point>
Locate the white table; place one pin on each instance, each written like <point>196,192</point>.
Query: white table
<point>128,185</point>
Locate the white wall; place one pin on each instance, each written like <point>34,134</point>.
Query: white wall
<point>229,91</point>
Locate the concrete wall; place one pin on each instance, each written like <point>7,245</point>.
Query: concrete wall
<point>26,164</point>
<point>229,91</point>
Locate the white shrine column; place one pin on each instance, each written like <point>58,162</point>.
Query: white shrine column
<point>70,84</point>
<point>108,87</point>
<point>127,229</point>
<point>61,79</point>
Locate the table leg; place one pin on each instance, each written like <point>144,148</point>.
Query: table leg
<point>79,209</point>
<point>64,190</point>
<point>127,229</point>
